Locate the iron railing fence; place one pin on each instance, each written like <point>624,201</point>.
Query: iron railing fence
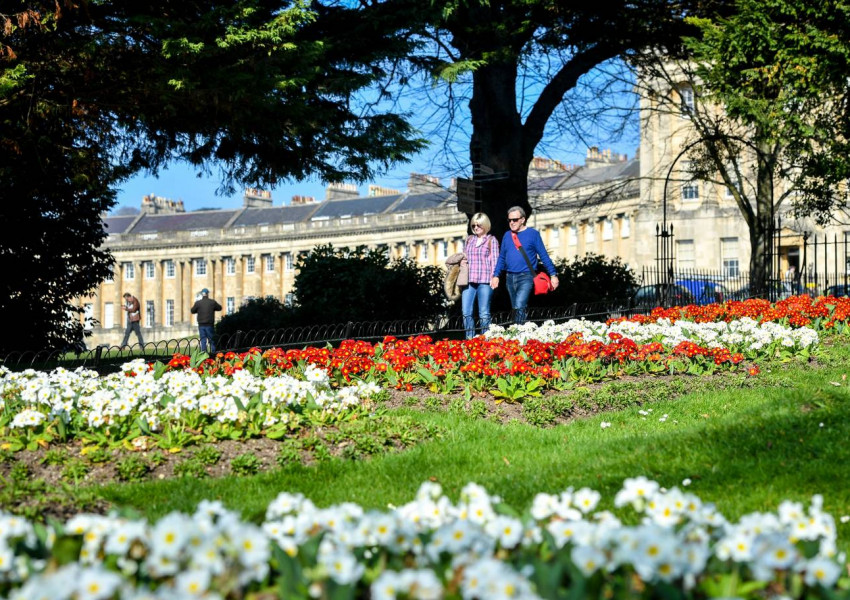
<point>108,359</point>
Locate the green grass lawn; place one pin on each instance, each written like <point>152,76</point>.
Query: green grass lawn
<point>744,448</point>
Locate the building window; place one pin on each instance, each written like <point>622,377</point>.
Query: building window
<point>269,261</point>
<point>149,271</point>
<point>625,227</point>
<point>403,251</point>
<point>686,96</point>
<point>170,269</point>
<point>110,276</point>
<point>230,266</point>
<point>108,315</point>
<point>729,256</point>
<point>289,299</point>
<point>572,235</point>
<point>129,271</point>
<point>423,252</point>
<point>200,266</point>
<point>690,191</point>
<point>149,313</point>
<point>685,257</point>
<point>442,250</point>
<point>607,229</point>
<point>169,313</point>
<point>250,265</point>
<point>230,305</point>
<point>555,240</point>
<point>288,262</point>
<point>590,233</point>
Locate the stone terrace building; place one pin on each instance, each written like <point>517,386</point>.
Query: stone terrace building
<point>164,256</point>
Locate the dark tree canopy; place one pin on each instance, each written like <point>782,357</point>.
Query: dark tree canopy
<point>340,284</point>
<point>92,92</point>
<point>488,44</point>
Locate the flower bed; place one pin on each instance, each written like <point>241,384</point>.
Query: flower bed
<point>273,393</point>
<point>431,547</point>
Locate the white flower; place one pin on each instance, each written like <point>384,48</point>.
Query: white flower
<point>605,424</point>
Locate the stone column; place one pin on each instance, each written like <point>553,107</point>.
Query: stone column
<point>179,310</point>
<point>159,302</point>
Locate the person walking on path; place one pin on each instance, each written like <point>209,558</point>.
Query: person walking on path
<point>519,280</point>
<point>206,308</point>
<point>134,318</point>
<point>481,250</point>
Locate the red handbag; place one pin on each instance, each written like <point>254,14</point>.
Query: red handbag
<point>542,283</point>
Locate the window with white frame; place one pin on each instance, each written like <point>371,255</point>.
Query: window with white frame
<point>590,232</point>
<point>230,304</point>
<point>200,266</point>
<point>686,97</point>
<point>442,250</point>
<point>250,264</point>
<point>572,235</point>
<point>170,269</point>
<point>289,299</point>
<point>403,251</point>
<point>729,256</point>
<point>555,238</point>
<point>108,315</point>
<point>169,313</point>
<point>607,229</point>
<point>625,226</point>
<point>690,191</point>
<point>110,276</point>
<point>149,313</point>
<point>269,260</point>
<point>289,263</point>
<point>423,252</point>
<point>129,271</point>
<point>149,270</point>
<point>230,265</point>
<point>685,255</point>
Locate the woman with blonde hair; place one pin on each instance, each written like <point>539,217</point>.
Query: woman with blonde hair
<point>482,251</point>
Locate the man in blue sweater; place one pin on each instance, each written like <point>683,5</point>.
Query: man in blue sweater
<point>519,279</point>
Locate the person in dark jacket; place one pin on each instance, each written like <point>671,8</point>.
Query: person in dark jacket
<point>205,308</point>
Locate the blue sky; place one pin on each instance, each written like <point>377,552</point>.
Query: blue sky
<point>447,157</point>
<point>180,183</point>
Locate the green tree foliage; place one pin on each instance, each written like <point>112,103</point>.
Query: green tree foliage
<point>257,314</point>
<point>340,284</point>
<point>590,279</point>
<point>521,58</point>
<point>770,120</point>
<point>92,92</point>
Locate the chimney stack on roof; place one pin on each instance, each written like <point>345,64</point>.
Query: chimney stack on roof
<point>601,158</point>
<point>423,184</point>
<point>254,198</point>
<point>340,191</point>
<point>303,200</point>
<point>377,190</point>
<point>157,205</point>
<point>541,167</point>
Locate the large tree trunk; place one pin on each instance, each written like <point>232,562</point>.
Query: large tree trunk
<point>499,142</point>
<point>761,223</point>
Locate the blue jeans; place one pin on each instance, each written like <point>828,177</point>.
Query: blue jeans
<point>206,333</point>
<point>519,289</point>
<point>483,292</point>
